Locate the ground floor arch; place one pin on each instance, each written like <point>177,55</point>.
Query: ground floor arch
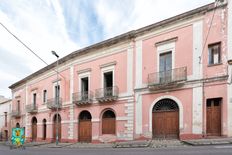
<point>108,122</point>
<point>165,119</point>
<point>34,128</point>
<point>17,125</point>
<point>57,127</point>
<point>44,130</point>
<point>85,126</point>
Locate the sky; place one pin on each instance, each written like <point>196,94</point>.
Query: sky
<point>68,25</point>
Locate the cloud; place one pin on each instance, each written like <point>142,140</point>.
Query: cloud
<point>40,25</point>
<point>125,15</point>
<point>65,26</point>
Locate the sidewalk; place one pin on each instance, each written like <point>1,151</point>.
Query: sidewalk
<point>163,143</point>
<point>214,141</point>
<point>156,143</point>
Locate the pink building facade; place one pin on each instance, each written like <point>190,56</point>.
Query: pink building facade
<point>170,79</point>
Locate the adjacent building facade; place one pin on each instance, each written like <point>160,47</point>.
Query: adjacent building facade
<point>170,79</point>
<point>5,125</point>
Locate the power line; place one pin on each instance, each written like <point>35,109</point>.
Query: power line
<point>28,47</point>
<point>207,35</point>
<point>23,43</point>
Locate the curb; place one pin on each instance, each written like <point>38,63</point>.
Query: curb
<point>206,143</point>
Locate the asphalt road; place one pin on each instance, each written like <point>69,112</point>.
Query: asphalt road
<point>206,150</point>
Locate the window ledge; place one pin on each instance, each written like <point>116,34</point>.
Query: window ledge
<point>212,65</point>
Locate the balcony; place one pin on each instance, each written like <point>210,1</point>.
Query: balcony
<point>167,79</point>
<point>83,98</point>
<point>15,113</point>
<point>107,94</point>
<point>54,103</point>
<point>31,108</point>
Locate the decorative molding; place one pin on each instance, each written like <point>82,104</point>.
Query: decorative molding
<point>84,70</point>
<point>166,41</point>
<point>34,89</point>
<point>18,96</point>
<point>108,64</point>
<point>56,80</point>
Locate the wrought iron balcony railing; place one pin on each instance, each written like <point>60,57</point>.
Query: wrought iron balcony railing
<point>169,77</point>
<point>83,98</point>
<point>15,113</point>
<point>31,108</point>
<point>107,94</point>
<point>54,103</point>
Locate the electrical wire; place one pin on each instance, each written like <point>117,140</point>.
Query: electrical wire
<point>207,35</point>
<point>28,47</point>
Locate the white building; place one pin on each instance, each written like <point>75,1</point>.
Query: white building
<point>5,107</point>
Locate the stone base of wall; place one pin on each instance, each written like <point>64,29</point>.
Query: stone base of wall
<point>29,139</point>
<point>190,136</point>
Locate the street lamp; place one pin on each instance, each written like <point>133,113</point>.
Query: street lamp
<point>57,97</point>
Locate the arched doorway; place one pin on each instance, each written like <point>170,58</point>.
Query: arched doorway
<point>108,122</point>
<point>34,129</point>
<point>85,127</point>
<point>56,125</point>
<point>165,119</point>
<point>17,125</point>
<point>44,129</point>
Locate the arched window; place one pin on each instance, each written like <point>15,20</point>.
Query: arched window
<point>108,122</point>
<point>165,105</point>
<point>85,115</point>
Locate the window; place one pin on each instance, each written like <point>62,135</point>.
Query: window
<point>44,96</point>
<point>108,84</point>
<point>34,99</point>
<point>84,88</point>
<point>214,53</point>
<point>57,91</point>
<point>214,102</point>
<point>165,67</point>
<point>18,105</point>
<point>5,114</point>
<point>108,79</point>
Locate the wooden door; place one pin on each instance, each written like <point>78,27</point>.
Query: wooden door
<point>34,131</point>
<point>85,130</point>
<point>59,130</point>
<point>213,118</point>
<point>165,124</point>
<point>44,131</point>
<point>108,125</point>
